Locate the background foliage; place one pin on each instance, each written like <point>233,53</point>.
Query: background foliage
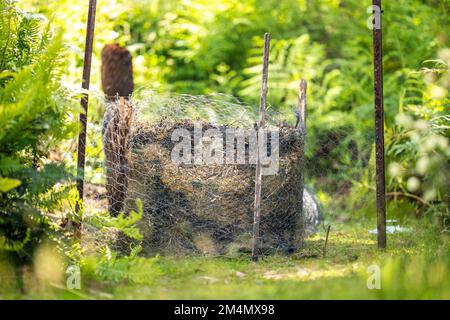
<point>201,47</point>
<point>33,118</point>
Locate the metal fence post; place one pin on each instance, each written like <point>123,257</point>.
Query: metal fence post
<point>81,153</point>
<point>379,124</point>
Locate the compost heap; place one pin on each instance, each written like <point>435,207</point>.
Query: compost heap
<point>208,208</point>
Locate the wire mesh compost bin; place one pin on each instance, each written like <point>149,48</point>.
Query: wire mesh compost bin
<point>204,203</point>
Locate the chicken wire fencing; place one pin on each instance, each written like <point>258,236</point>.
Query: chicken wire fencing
<point>190,160</point>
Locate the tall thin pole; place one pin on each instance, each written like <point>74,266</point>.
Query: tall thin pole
<point>301,126</point>
<point>301,112</point>
<point>84,104</point>
<point>261,123</point>
<point>379,124</point>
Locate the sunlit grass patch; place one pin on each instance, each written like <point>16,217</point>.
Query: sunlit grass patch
<point>408,270</point>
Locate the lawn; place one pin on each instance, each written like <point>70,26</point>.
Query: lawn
<point>416,265</point>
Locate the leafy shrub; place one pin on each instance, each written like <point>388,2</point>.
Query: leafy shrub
<point>418,147</point>
<point>33,118</point>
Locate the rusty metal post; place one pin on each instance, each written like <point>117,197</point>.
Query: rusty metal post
<point>81,156</point>
<point>261,123</point>
<point>379,124</point>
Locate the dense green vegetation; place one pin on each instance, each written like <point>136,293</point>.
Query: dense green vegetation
<point>201,47</point>
<point>33,108</point>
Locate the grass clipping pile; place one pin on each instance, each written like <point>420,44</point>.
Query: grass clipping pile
<point>208,208</point>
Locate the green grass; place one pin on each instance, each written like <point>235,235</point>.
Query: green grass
<point>416,265</point>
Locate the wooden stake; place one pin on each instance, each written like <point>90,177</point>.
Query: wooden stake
<point>118,85</point>
<point>261,123</point>
<point>81,160</point>
<point>326,242</point>
<point>301,126</point>
<point>301,112</point>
